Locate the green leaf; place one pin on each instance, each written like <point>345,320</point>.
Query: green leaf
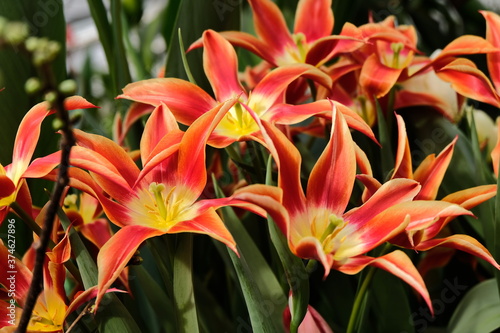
<point>187,320</point>
<point>296,274</point>
<point>112,316</point>
<point>263,293</point>
<point>478,311</point>
<point>193,17</point>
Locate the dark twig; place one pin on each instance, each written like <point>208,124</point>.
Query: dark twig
<point>67,142</point>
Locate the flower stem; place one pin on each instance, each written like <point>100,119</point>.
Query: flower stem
<point>355,320</point>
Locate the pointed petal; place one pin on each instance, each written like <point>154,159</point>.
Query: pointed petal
<point>322,12</point>
<point>372,185</point>
<point>208,223</point>
<point>116,155</point>
<point>465,45</point>
<point>431,171</point>
<point>332,178</point>
<point>396,263</point>
<point>116,253</point>
<point>311,248</point>
<point>495,153</point>
<point>270,26</point>
<point>469,81</point>
<point>292,114</point>
<point>186,100</point>
<point>26,140</point>
<point>191,169</point>
<point>391,193</point>
<point>472,197</point>
<point>22,276</point>
<point>377,78</point>
<point>493,36</point>
<point>221,66</point>
<point>270,89</point>
<point>161,122</point>
<point>251,43</point>
<point>134,113</point>
<point>424,213</point>
<point>77,102</point>
<point>288,160</point>
<point>43,165</point>
<point>463,243</point>
<point>403,164</point>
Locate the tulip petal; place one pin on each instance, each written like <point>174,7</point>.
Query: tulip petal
<point>22,275</point>
<point>377,78</point>
<point>207,223</point>
<point>112,152</point>
<point>221,66</point>
<point>389,194</point>
<point>26,139</point>
<point>464,45</point>
<point>161,122</point>
<point>493,36</point>
<point>403,164</point>
<point>332,178</point>
<point>191,169</point>
<point>469,81</point>
<point>431,171</point>
<point>116,253</point>
<point>460,242</point>
<point>396,263</point>
<point>321,10</point>
<point>310,248</point>
<point>288,160</point>
<point>134,113</point>
<point>271,27</point>
<point>187,101</point>
<point>271,87</point>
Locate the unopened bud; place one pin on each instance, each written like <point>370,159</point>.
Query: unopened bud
<point>67,87</point>
<point>51,97</point>
<point>15,32</point>
<point>32,86</point>
<point>3,24</point>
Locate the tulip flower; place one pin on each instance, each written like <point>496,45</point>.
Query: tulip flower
<point>421,236</point>
<point>319,226</point>
<point>162,198</point>
<point>12,184</point>
<point>311,41</point>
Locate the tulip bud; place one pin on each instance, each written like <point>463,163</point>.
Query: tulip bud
<point>32,85</point>
<point>15,32</point>
<point>67,87</point>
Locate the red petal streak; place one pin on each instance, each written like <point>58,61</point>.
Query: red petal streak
<point>221,66</point>
<point>396,263</point>
<point>321,11</point>
<point>332,178</point>
<point>186,100</point>
<point>116,253</point>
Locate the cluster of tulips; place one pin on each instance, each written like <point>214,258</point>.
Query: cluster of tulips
<point>307,150</point>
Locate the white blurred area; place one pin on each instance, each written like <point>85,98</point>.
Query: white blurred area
<point>83,38</point>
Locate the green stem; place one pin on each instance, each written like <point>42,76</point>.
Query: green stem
<point>186,316</point>
<point>355,320</point>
